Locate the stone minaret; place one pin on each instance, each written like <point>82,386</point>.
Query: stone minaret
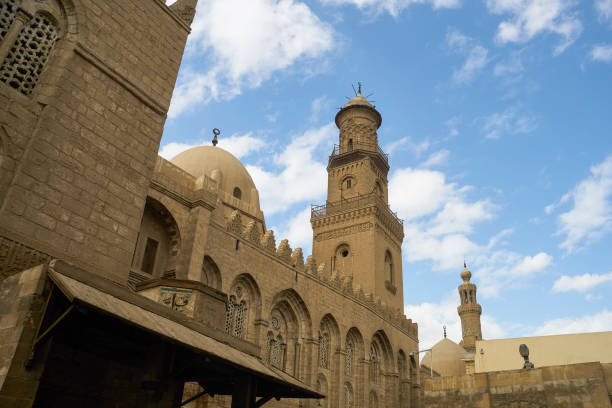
<point>355,233</point>
<point>469,312</point>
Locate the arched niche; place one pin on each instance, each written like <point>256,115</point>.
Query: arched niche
<point>289,319</point>
<point>159,242</point>
<point>243,308</point>
<point>211,275</point>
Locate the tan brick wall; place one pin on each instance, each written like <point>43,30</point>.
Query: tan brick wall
<point>78,169</point>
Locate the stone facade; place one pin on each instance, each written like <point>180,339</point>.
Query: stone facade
<point>80,180</point>
<point>572,386</point>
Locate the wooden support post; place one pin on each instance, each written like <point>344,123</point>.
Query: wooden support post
<point>243,395</point>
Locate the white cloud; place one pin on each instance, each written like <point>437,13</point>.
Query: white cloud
<point>406,143</point>
<point>511,66</point>
<point>438,158</point>
<point>246,42</point>
<point>238,145</point>
<point>298,231</point>
<point>601,321</point>
<point>432,317</point>
<point>604,10</point>
<point>531,264</point>
<point>318,105</point>
<point>393,7</point>
<point>506,122</point>
<point>299,177</point>
<point>580,283</point>
<point>475,62</point>
<point>602,52</point>
<point>476,58</point>
<point>532,17</point>
<point>439,221</point>
<point>591,214</point>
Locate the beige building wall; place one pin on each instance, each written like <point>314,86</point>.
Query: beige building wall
<point>503,354</point>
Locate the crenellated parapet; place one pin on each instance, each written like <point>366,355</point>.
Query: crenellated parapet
<point>294,260</point>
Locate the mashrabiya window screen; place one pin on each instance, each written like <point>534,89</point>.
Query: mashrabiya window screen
<point>26,59</point>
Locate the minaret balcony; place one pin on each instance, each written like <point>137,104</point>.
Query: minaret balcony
<point>345,152</point>
<point>383,211</point>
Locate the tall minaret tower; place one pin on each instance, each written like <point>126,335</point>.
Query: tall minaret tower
<point>355,233</point>
<point>469,312</point>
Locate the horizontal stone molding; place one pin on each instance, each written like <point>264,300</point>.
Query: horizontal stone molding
<point>88,55</point>
<point>340,232</point>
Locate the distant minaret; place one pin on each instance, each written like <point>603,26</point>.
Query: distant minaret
<point>469,312</point>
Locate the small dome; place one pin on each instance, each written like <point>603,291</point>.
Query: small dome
<point>466,275</point>
<point>447,358</point>
<point>358,100</point>
<point>221,166</point>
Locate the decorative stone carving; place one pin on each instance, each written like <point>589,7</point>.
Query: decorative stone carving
<point>268,241</point>
<point>251,233</point>
<point>235,223</point>
<point>284,251</point>
<point>297,258</point>
<point>16,257</point>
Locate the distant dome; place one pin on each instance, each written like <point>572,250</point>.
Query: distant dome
<point>221,166</point>
<point>447,358</point>
<point>358,100</point>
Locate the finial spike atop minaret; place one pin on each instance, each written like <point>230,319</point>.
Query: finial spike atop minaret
<point>444,331</point>
<point>359,87</point>
<point>464,265</point>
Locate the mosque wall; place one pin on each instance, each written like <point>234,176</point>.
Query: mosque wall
<point>304,319</point>
<point>79,138</point>
<point>571,386</point>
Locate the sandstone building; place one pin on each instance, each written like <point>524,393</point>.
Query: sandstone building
<point>168,274</point>
<point>572,370</point>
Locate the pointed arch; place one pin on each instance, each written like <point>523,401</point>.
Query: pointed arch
<point>243,308</point>
<point>159,241</point>
<point>329,335</point>
<point>290,320</point>
<point>211,275</point>
<point>354,342</point>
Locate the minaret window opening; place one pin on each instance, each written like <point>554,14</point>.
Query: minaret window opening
<point>389,267</point>
<point>237,193</point>
<point>350,145</point>
<point>471,299</point>
<point>348,184</point>
<point>465,297</point>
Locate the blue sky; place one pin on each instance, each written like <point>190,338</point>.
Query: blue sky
<point>496,115</point>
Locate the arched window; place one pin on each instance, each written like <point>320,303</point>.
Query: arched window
<point>348,396</point>
<point>389,267</point>
<point>237,193</point>
<point>277,352</point>
<point>269,345</point>
<point>236,313</point>
<point>348,367</point>
<point>8,11</point>
<point>229,314</point>
<point>26,59</point>
<point>324,350</point>
<point>374,364</point>
<point>373,400</point>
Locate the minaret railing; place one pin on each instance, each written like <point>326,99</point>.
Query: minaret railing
<point>352,203</point>
<point>351,147</point>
